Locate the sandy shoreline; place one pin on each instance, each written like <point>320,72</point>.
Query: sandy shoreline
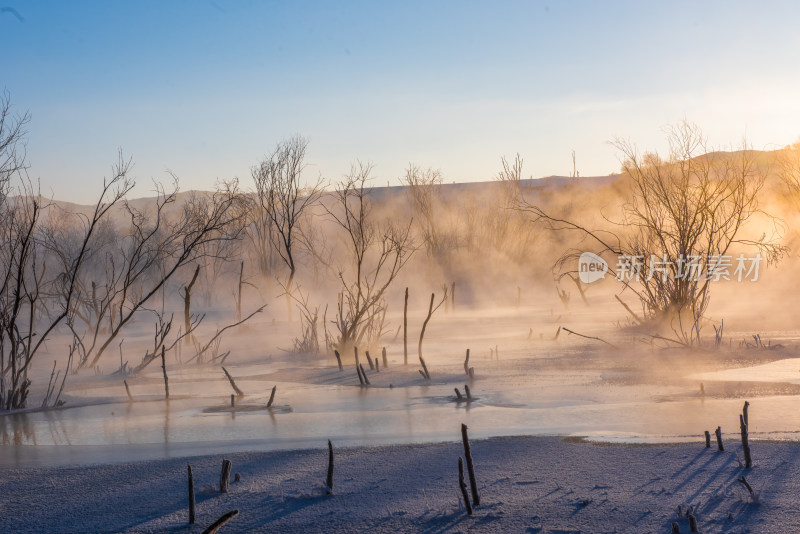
<point>527,484</point>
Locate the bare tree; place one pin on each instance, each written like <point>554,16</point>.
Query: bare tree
<point>422,190</point>
<point>156,246</point>
<point>35,298</point>
<point>376,252</point>
<point>682,216</point>
<point>282,200</point>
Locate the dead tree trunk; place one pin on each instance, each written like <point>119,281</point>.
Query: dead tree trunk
<point>405,330</point>
<point>191,496</point>
<point>369,361</point>
<point>476,500</point>
<point>239,392</point>
<point>748,463</point>
<point>466,364</point>
<point>425,374</point>
<point>463,485</point>
<point>272,396</point>
<point>385,361</point>
<point>187,302</point>
<point>329,479</point>
<point>225,476</point>
<point>708,439</point>
<point>364,374</point>
<point>164,370</point>
<point>718,433</point>
<point>215,526</point>
<point>338,359</point>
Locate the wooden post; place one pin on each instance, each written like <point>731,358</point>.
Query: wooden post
<point>329,479</point>
<point>272,396</point>
<point>718,433</point>
<point>459,398</point>
<point>708,439</point>
<point>128,390</point>
<point>338,359</point>
<point>463,485</point>
<point>476,500</point>
<point>466,364</point>
<point>744,412</point>
<point>748,463</point>
<point>191,496</point>
<point>466,390</point>
<point>405,330</point>
<point>187,301</point>
<point>233,400</point>
<point>215,526</point>
<point>369,360</point>
<point>225,476</point>
<point>355,350</point>
<point>366,380</point>
<point>164,370</point>
<point>377,366</point>
<point>239,392</point>
<point>385,360</point>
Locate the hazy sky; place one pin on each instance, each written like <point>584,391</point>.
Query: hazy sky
<point>205,89</point>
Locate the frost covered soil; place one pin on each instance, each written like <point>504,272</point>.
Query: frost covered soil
<point>526,484</point>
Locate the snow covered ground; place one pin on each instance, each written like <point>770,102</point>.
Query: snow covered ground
<point>526,484</point>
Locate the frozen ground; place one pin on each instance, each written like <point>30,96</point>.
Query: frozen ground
<point>526,484</point>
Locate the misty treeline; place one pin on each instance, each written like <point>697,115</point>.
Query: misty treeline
<point>76,277</point>
<point>333,257</point>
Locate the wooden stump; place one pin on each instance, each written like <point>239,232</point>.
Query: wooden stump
<point>329,479</point>
<point>225,476</point>
<point>463,486</point>
<point>191,496</point>
<point>718,433</point>
<point>272,396</point>
<point>708,439</point>
<point>239,392</point>
<point>476,500</point>
<point>466,364</point>
<point>385,360</point>
<point>748,463</point>
<point>338,359</point>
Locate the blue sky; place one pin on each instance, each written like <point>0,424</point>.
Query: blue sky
<point>205,89</point>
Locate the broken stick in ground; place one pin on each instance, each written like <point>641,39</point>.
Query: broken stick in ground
<point>239,392</point>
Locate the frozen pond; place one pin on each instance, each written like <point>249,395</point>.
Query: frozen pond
<point>538,386</point>
<point>353,416</point>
